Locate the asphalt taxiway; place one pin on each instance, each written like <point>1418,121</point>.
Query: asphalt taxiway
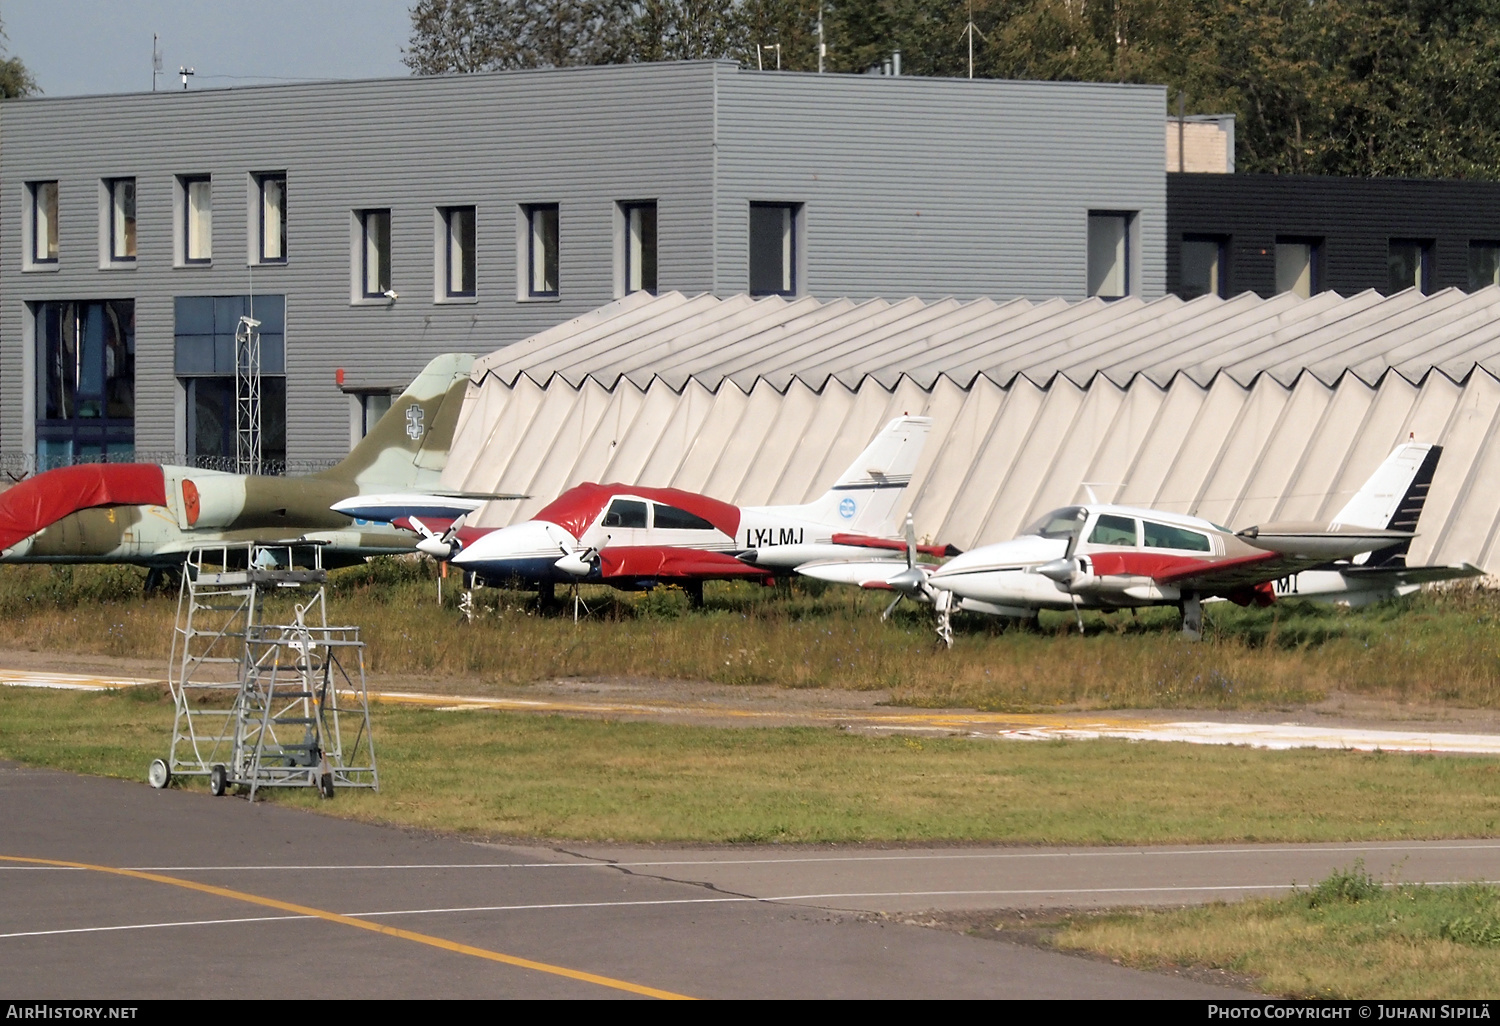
<point>109,889</point>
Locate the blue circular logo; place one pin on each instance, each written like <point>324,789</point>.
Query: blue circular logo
<point>846,509</point>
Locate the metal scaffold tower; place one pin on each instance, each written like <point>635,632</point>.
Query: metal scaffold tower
<point>265,704</point>
<point>247,396</point>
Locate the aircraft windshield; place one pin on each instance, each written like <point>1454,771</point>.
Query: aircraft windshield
<point>1060,523</point>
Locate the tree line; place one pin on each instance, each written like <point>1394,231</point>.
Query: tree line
<point>1336,87</point>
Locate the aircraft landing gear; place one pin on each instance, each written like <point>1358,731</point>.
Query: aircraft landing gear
<point>546,597</point>
<point>1192,616</point>
<point>159,581</point>
<point>694,591</point>
<point>942,603</point>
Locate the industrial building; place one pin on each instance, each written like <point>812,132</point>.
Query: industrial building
<point>1306,234</point>
<point>1242,410</point>
<point>371,225</point>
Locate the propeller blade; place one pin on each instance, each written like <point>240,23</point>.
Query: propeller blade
<point>911,544</point>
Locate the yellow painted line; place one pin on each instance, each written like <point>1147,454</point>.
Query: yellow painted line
<point>390,931</point>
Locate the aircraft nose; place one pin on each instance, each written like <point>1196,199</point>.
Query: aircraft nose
<point>531,539</point>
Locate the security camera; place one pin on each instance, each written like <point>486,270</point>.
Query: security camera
<point>391,294</point>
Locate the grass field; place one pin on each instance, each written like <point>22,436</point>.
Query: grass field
<point>1345,937</point>
<point>499,774</point>
<point>1437,648</point>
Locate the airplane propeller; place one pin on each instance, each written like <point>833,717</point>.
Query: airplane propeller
<point>578,563</point>
<point>912,583</point>
<point>1065,571</point>
<point>439,546</point>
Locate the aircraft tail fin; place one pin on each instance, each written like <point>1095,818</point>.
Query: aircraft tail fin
<point>866,496</point>
<point>407,448</point>
<point>1393,498</point>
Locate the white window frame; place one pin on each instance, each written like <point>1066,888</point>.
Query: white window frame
<point>359,254</point>
<point>629,248</point>
<point>111,222</point>
<point>193,231</point>
<point>35,229</point>
<point>531,253</point>
<point>444,290</point>
<point>257,218</point>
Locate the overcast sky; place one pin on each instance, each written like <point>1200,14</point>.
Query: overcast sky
<point>75,47</point>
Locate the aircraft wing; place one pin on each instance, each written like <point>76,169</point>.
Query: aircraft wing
<point>866,573</point>
<point>1220,577</point>
<point>896,544</point>
<point>1400,575</point>
<point>389,508</point>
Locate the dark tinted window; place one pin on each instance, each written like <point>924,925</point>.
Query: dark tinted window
<point>626,513</point>
<point>674,519</point>
<point>1113,530</point>
<point>1164,536</point>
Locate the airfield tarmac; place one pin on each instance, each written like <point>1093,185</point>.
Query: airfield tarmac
<point>114,890</point>
<point>111,889</point>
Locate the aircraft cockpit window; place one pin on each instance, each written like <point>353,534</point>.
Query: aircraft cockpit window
<point>1165,536</point>
<point>670,518</point>
<point>1060,523</point>
<point>626,513</point>
<point>1113,530</point>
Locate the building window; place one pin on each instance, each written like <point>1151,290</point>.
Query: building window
<point>542,236</point>
<point>640,246</point>
<point>197,198</point>
<point>773,248</point>
<point>459,279</point>
<point>1409,262</point>
<point>204,362</point>
<point>375,254</point>
<point>43,222</point>
<point>1484,264</point>
<point>121,193</point>
<point>85,388</point>
<point>1109,257</point>
<point>271,218</point>
<point>371,406</point>
<point>1204,260</point>
<point>1297,266</point>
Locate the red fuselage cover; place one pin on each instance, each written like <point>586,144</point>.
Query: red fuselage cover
<point>43,500</point>
<point>578,507</point>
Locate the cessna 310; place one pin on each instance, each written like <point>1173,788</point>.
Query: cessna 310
<point>1100,556</point>
<point>151,514</point>
<point>633,537</point>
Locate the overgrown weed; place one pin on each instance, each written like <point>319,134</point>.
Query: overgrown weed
<point>1436,647</point>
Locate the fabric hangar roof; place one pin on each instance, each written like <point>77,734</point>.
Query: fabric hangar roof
<point>674,338</point>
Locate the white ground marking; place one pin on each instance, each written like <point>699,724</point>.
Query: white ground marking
<point>978,725</point>
<point>597,861</point>
<point>69,681</point>
<point>728,900</point>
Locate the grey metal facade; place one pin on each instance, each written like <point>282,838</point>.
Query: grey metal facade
<point>908,187</point>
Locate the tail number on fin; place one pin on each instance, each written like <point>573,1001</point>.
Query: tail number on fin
<point>769,537</point>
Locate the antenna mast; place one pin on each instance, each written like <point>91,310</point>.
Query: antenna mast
<point>969,31</point>
<point>155,60</point>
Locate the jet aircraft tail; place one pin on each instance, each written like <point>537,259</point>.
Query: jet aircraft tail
<point>408,447</point>
<point>1392,499</point>
<point>866,496</point>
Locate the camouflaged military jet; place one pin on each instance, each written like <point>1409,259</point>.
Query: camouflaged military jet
<point>151,514</point>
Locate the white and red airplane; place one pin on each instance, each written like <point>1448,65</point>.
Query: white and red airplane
<point>1099,556</point>
<point>633,537</point>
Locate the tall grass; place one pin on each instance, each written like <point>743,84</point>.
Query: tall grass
<point>1438,647</point>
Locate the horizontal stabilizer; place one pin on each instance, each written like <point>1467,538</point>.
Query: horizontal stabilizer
<point>390,508</point>
<point>895,544</point>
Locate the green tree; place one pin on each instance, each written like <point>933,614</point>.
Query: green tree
<point>15,80</point>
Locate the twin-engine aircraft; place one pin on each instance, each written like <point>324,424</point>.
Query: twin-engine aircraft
<point>1099,556</point>
<point>151,514</point>
<point>633,537</point>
